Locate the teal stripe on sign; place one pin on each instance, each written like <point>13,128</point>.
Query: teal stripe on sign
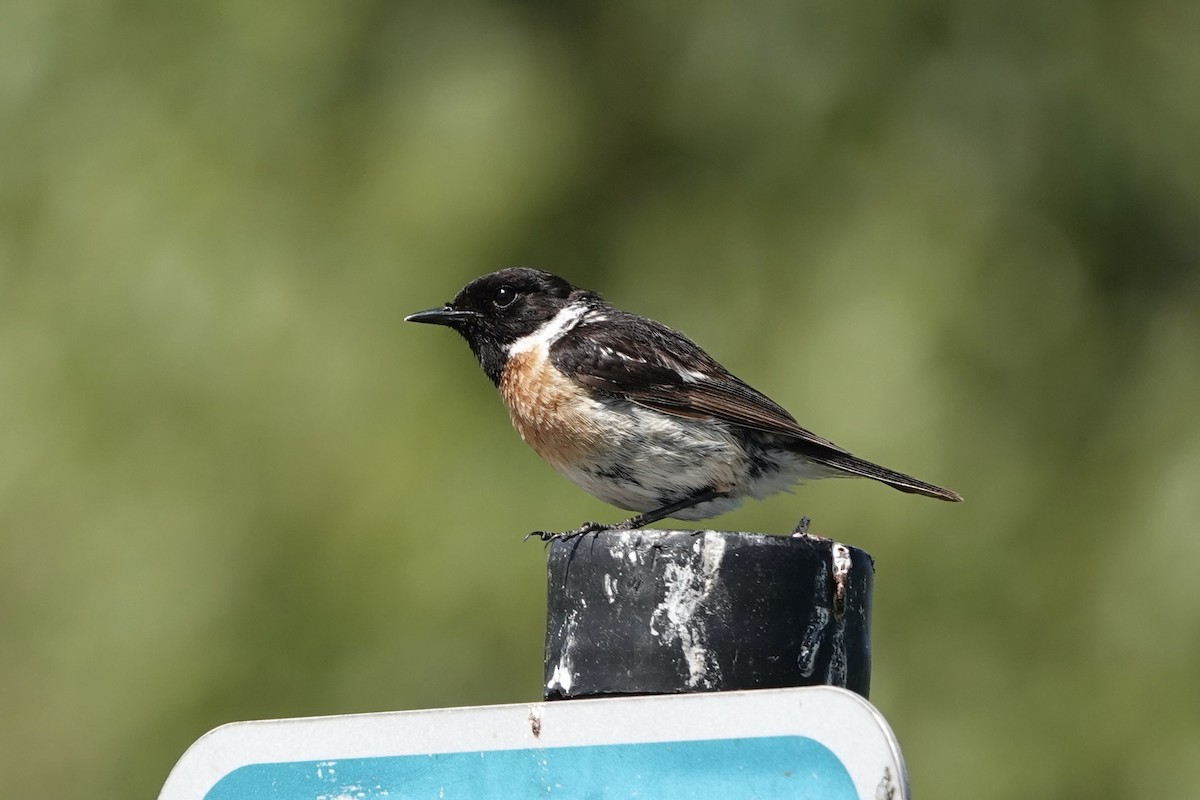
<point>793,767</point>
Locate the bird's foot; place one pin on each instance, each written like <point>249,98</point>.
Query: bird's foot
<point>566,536</point>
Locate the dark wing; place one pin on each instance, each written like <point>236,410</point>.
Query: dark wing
<point>654,366</point>
<point>649,364</point>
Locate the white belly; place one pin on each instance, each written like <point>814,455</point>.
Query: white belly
<point>650,459</point>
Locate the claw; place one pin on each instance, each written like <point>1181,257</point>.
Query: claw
<point>566,536</point>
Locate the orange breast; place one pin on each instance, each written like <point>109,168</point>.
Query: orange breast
<point>549,410</point>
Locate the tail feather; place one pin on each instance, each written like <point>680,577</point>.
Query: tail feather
<point>897,480</point>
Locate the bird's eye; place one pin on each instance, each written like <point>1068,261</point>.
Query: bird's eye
<point>504,297</point>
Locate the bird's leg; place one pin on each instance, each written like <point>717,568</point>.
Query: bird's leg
<point>640,521</point>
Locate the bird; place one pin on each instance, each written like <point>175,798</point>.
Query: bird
<point>634,412</point>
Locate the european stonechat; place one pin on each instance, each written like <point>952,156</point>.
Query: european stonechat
<point>632,411</point>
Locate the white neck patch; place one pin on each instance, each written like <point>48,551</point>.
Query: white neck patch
<point>563,321</point>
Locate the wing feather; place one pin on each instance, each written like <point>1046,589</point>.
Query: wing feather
<point>654,366</point>
<point>647,363</point>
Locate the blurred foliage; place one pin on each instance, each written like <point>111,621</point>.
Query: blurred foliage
<point>958,238</point>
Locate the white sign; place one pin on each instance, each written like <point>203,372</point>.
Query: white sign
<point>820,742</point>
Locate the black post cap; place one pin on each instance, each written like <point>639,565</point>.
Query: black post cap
<point>659,612</point>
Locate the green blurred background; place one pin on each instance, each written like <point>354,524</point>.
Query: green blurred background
<point>957,238</point>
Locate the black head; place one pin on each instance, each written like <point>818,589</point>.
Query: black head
<point>497,309</point>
